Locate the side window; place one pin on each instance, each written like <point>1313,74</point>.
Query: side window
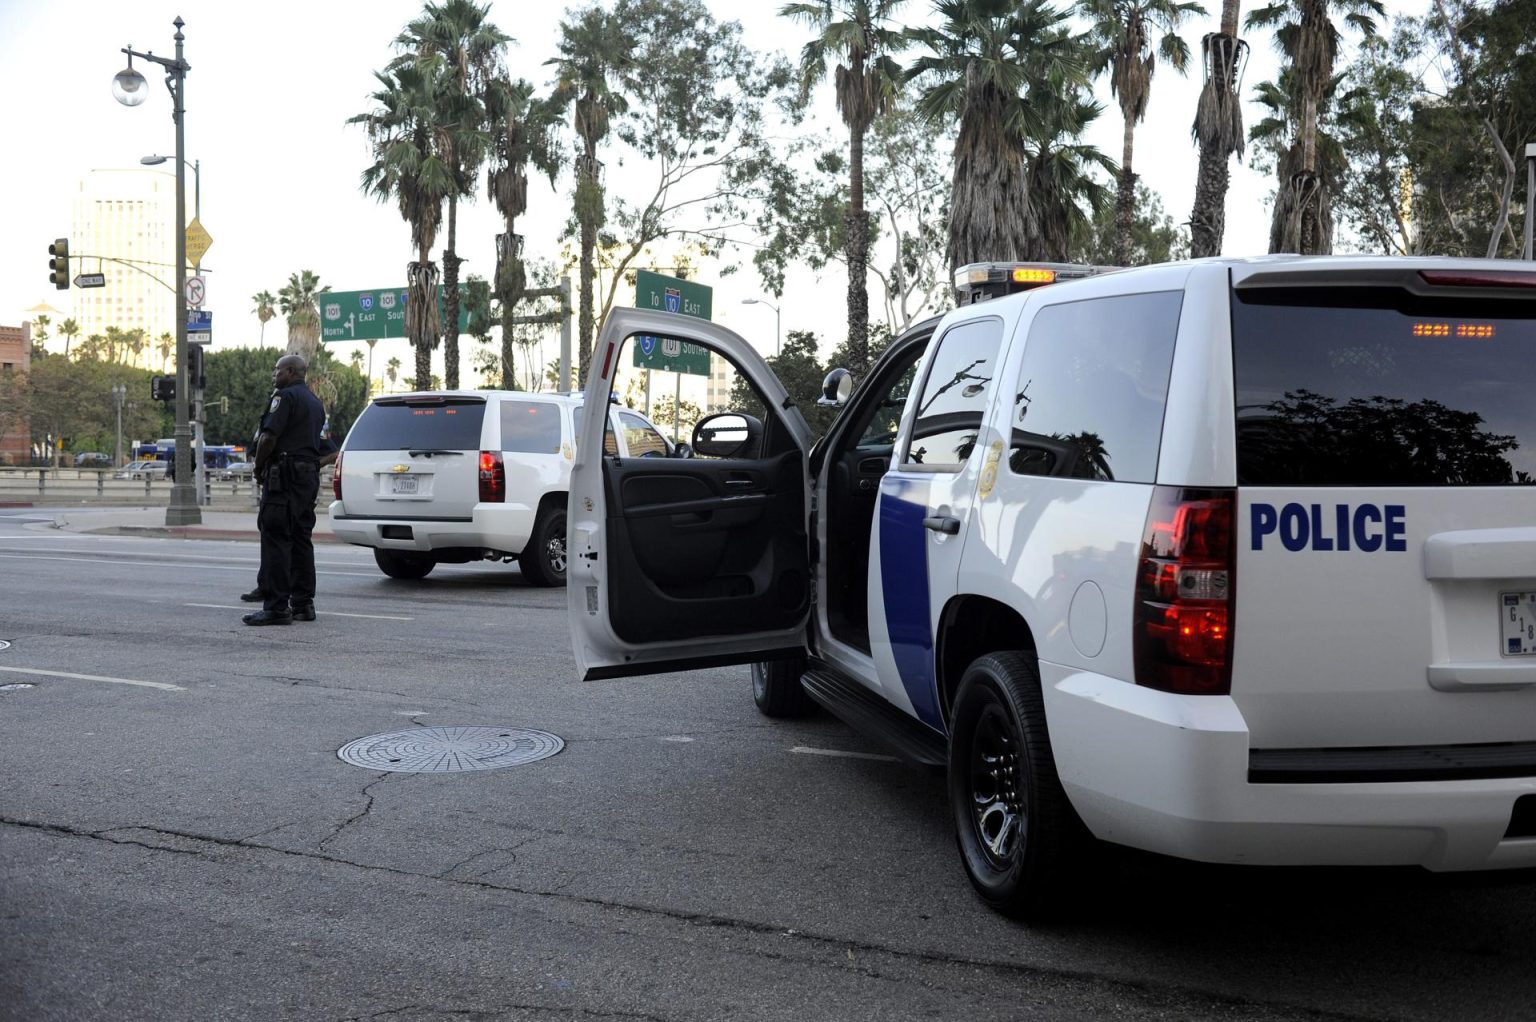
<point>954,396</point>
<point>641,437</point>
<point>530,427</point>
<point>1093,388</point>
<point>610,442</point>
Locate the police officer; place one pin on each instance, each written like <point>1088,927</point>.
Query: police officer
<point>259,594</point>
<point>288,466</point>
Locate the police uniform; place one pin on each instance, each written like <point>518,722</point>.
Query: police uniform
<point>259,594</point>
<point>290,483</point>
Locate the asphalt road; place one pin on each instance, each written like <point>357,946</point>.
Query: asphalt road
<point>179,840</point>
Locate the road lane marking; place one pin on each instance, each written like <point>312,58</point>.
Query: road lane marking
<point>94,677</point>
<point>164,564</point>
<point>807,751</point>
<point>332,613</point>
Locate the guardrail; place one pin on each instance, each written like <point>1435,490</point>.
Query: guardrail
<point>99,486</point>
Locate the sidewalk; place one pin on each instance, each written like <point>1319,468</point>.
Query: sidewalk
<point>150,521</point>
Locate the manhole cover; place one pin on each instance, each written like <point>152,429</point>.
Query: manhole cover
<point>5,643</point>
<point>16,686</point>
<point>445,750</point>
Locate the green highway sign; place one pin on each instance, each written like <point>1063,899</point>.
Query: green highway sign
<point>684,297</point>
<point>374,315</point>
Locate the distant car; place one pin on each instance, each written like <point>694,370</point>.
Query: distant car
<point>237,470</point>
<point>92,459</point>
<point>142,470</point>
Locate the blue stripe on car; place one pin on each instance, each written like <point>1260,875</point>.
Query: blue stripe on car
<point>904,585</point>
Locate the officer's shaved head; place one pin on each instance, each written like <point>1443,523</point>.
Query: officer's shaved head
<point>295,364</point>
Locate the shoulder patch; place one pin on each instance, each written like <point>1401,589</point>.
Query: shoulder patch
<point>276,400</point>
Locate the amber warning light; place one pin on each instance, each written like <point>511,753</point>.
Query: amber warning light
<point>1466,331</point>
<point>1033,275</point>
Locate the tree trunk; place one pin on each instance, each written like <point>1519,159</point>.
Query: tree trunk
<point>1208,222</point>
<point>1229,17</point>
<point>422,323</point>
<point>858,256</point>
<point>1126,204</point>
<point>1219,130</point>
<point>451,299</point>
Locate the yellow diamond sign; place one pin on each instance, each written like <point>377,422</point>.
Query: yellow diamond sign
<point>198,242</point>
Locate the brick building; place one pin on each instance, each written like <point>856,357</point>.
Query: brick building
<point>15,359</point>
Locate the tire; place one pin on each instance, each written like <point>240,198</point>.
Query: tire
<point>543,559</point>
<point>1021,842</point>
<point>402,565</point>
<point>777,691</point>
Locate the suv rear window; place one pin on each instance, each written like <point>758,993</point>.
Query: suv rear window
<point>530,427</point>
<point>1379,387</point>
<point>450,425</point>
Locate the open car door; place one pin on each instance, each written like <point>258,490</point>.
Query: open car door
<point>684,562</point>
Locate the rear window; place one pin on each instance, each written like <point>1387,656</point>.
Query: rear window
<point>396,426</point>
<point>530,427</point>
<point>1379,387</point>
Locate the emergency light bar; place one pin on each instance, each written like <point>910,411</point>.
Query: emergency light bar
<point>977,282</point>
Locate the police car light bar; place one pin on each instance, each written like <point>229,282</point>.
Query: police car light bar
<point>979,281</point>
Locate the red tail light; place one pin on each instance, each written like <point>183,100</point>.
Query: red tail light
<point>493,478</point>
<point>336,477</point>
<point>1478,278</point>
<point>1183,637</point>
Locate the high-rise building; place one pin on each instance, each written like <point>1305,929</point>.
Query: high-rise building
<point>127,215</point>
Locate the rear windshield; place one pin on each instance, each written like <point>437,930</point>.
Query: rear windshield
<point>1378,387</point>
<point>452,425</point>
<point>530,427</point>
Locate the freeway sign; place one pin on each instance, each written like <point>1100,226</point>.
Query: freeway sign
<point>684,297</point>
<point>90,280</point>
<point>374,315</point>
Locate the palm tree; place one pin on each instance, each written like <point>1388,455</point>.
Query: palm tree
<point>1218,129</point>
<point>456,40</point>
<point>299,301</point>
<point>1305,35</point>
<point>70,329</point>
<point>392,370</point>
<point>522,133</point>
<point>1121,41</point>
<point>264,311</point>
<point>1067,195</point>
<point>40,333</point>
<point>405,128</point>
<point>594,49</point>
<point>356,359</point>
<point>995,66</point>
<point>135,341</point>
<point>166,344</point>
<point>858,35</point>
<point>1279,132</point>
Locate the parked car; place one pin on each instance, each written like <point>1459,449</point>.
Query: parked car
<point>92,459</point>
<point>237,470</point>
<point>142,470</point>
<point>1230,560</point>
<point>455,476</point>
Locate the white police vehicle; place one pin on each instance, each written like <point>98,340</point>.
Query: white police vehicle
<point>1232,560</point>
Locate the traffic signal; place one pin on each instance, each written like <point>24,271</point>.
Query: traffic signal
<point>58,264</point>
<point>162,388</point>
<point>195,378</point>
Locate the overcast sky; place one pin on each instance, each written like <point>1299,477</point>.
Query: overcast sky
<point>270,88</point>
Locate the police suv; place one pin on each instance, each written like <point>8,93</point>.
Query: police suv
<point>1231,560</point>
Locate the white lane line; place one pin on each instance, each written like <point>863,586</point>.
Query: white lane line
<point>332,613</point>
<point>94,677</point>
<point>807,751</point>
<point>167,564</point>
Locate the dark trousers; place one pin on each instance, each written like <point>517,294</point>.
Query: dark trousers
<point>287,524</point>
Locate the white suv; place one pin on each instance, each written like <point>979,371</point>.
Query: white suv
<point>455,476</point>
<point>1232,560</point>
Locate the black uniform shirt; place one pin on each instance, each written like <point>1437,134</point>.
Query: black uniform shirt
<point>294,418</point>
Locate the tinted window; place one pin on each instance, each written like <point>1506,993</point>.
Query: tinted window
<point>1377,387</point>
<point>530,427</point>
<point>954,395</point>
<point>610,442</point>
<point>1093,387</point>
<point>397,426</point>
<point>640,438</point>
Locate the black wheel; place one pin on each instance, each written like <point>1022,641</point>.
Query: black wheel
<point>777,690</point>
<point>543,559</point>
<point>396,564</point>
<point>1019,837</point>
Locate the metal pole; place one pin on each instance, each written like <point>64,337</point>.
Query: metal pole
<point>183,509</point>
<point>119,392</point>
<point>565,334</point>
<point>1530,196</point>
<point>677,405</point>
<point>778,344</point>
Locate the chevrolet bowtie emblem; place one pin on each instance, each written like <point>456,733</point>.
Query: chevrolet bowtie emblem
<point>401,468</point>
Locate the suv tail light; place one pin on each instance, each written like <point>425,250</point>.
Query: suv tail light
<point>336,477</point>
<point>1183,635</point>
<point>493,478</point>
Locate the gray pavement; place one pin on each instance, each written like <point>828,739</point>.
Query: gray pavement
<point>150,521</point>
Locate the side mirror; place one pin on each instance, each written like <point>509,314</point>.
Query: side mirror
<point>836,389</point>
<point>726,435</point>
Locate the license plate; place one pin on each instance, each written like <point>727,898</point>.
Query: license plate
<point>1517,616</point>
<point>402,484</point>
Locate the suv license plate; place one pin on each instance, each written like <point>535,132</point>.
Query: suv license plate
<point>1517,616</point>
<point>402,484</point>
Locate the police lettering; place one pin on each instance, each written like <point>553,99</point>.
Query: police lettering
<point>1367,527</point>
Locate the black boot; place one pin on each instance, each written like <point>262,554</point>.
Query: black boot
<point>268,617</point>
<point>304,611</point>
<point>257,595</point>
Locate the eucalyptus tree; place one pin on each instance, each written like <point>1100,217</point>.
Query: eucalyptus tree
<point>1122,42</point>
<point>299,301</point>
<point>594,49</point>
<point>995,66</point>
<point>264,310</point>
<point>522,129</point>
<point>1218,130</point>
<point>1306,36</point>
<point>860,38</point>
<point>404,130</point>
<point>455,42</point>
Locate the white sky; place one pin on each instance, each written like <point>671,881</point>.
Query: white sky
<point>270,88</point>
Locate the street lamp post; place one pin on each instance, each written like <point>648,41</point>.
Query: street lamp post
<point>119,395</point>
<point>777,350</point>
<point>129,88</point>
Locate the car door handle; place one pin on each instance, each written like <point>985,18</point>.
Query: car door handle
<point>739,485</point>
<point>942,523</point>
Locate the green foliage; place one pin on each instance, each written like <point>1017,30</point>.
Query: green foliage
<point>244,376</point>
<point>71,399</point>
<point>1155,238</point>
<point>802,372</point>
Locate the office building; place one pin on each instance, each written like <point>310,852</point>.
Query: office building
<point>126,215</point>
